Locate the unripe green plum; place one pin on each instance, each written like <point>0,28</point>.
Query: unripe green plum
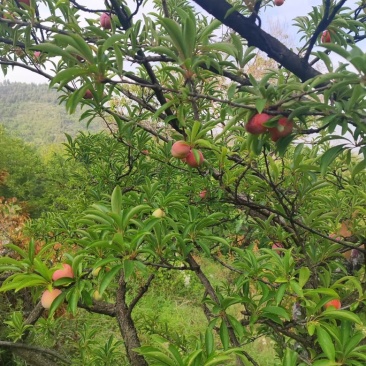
<point>96,271</point>
<point>97,296</point>
<point>158,213</point>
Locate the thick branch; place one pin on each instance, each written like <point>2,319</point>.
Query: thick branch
<point>34,349</point>
<point>258,38</point>
<point>127,325</point>
<point>100,307</point>
<point>142,291</point>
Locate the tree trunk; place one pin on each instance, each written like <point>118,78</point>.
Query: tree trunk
<point>127,326</point>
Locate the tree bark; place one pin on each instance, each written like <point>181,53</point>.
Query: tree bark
<point>255,36</point>
<point>127,326</point>
<point>34,358</point>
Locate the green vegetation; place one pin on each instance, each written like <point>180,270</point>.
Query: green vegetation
<point>32,112</point>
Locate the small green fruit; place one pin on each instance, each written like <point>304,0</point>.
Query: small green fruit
<point>96,271</point>
<point>97,296</point>
<point>159,213</point>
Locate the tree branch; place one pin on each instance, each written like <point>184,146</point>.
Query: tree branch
<point>28,347</point>
<point>255,36</point>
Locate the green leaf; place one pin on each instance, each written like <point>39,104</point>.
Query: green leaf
<point>326,343</point>
<point>217,360</point>
<point>21,280</point>
<point>128,268</point>
<point>111,41</point>
<point>280,292</point>
<point>341,315</point>
<point>175,33</point>
<point>225,47</point>
<point>53,50</point>
<point>192,357</point>
<point>189,32</point>
<point>65,76</point>
<point>56,303</point>
<point>260,104</point>
<point>296,288</point>
<point>304,274</point>
<point>329,156</point>
<point>224,335</point>
<point>277,310</point>
<point>290,358</point>
<point>107,279</point>
<point>209,341</point>
<point>325,363</point>
<point>359,167</point>
<point>163,359</point>
<point>162,109</point>
<point>116,200</point>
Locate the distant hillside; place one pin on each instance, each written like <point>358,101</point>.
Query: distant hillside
<point>32,112</point>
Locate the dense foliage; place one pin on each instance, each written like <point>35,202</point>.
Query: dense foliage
<point>267,182</point>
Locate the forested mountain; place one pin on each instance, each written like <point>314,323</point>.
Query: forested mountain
<point>33,113</point>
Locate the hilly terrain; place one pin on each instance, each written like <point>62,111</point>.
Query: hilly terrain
<point>32,112</point>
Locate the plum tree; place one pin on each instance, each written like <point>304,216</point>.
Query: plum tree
<point>194,85</point>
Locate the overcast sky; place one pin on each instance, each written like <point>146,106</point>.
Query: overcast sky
<point>282,15</point>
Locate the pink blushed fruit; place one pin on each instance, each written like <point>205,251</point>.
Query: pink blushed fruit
<point>277,245</point>
<point>180,149</point>
<point>66,271</point>
<point>88,95</point>
<point>203,193</point>
<point>325,38</point>
<point>105,21</point>
<point>194,161</point>
<point>49,296</point>
<point>336,303</point>
<point>283,128</point>
<point>255,126</point>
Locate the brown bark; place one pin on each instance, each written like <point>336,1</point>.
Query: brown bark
<point>34,355</point>
<point>127,326</point>
<point>258,38</point>
<point>34,358</point>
